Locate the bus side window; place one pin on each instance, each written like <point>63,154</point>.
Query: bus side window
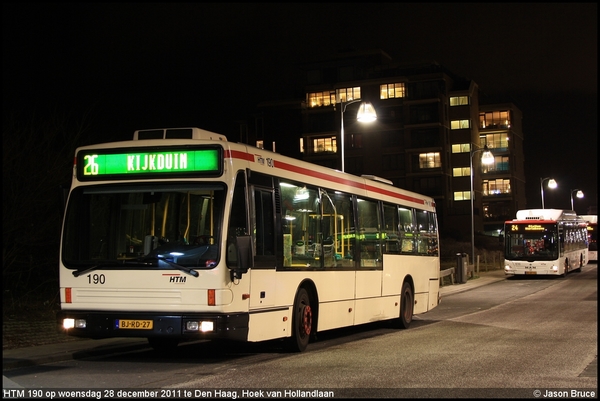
<point>391,234</point>
<point>264,229</point>
<point>368,235</point>
<point>406,230</point>
<point>338,230</point>
<point>238,221</point>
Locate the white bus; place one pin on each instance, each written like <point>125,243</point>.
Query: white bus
<point>545,241</point>
<point>592,230</point>
<point>182,235</point>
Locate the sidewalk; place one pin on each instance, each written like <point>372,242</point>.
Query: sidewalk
<point>482,278</point>
<point>79,348</point>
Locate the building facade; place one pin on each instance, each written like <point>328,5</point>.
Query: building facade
<point>430,128</point>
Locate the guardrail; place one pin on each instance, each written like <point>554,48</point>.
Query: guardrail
<point>446,273</point>
<point>496,262</point>
<point>472,270</point>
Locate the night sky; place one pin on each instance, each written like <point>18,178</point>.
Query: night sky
<point>156,65</point>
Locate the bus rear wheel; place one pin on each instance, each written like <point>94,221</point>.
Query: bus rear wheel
<point>407,303</point>
<point>302,322</point>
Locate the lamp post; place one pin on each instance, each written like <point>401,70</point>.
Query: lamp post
<point>551,184</point>
<point>579,195</point>
<point>366,114</point>
<point>486,158</point>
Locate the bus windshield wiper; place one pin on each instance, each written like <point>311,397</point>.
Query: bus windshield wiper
<point>184,269</point>
<point>145,261</point>
<point>137,262</point>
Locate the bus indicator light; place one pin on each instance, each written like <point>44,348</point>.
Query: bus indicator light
<point>211,297</point>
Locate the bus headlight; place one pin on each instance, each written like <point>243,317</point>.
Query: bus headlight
<point>206,326</point>
<point>74,323</point>
<point>202,326</point>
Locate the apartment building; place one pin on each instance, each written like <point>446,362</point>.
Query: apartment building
<point>430,129</point>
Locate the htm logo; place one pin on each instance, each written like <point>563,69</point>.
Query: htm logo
<point>177,279</point>
<point>13,393</point>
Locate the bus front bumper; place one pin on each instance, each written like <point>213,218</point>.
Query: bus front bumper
<point>198,326</point>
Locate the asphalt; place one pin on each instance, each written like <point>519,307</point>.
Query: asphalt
<point>80,348</point>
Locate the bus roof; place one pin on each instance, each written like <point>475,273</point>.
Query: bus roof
<point>268,162</point>
<point>590,218</point>
<point>546,214</point>
<point>178,133</point>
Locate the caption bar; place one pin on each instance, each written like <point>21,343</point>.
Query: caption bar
<point>162,394</point>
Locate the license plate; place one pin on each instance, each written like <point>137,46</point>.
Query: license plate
<point>530,272</point>
<point>134,324</point>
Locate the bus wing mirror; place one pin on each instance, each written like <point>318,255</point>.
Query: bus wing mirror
<point>244,256</point>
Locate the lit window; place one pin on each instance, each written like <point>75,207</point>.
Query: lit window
<point>462,195</point>
<point>348,94</point>
<point>392,91</point>
<point>430,160</point>
<point>461,148</point>
<point>328,145</point>
<point>496,187</point>
<point>459,124</point>
<point>496,141</point>
<point>461,172</point>
<point>494,119</point>
<point>459,100</point>
<point>320,99</point>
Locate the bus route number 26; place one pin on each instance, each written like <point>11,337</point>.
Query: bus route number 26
<point>90,167</point>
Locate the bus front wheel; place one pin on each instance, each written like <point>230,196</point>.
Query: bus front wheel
<point>302,322</point>
<point>407,303</point>
<point>580,269</point>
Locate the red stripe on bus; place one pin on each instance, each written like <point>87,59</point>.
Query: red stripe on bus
<point>316,174</point>
<point>541,221</point>
<point>323,176</point>
<point>236,154</point>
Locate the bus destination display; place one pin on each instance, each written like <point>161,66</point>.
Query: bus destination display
<point>100,165</point>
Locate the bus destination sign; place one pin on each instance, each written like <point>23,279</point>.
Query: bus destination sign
<point>105,164</point>
<point>528,227</point>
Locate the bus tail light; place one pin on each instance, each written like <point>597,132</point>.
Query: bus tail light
<point>68,297</point>
<point>211,297</point>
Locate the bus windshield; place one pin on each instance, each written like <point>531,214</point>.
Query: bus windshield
<point>115,225</point>
<point>524,241</point>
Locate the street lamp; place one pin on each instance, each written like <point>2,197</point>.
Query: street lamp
<point>551,184</point>
<point>579,195</point>
<point>486,158</point>
<point>366,114</point>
